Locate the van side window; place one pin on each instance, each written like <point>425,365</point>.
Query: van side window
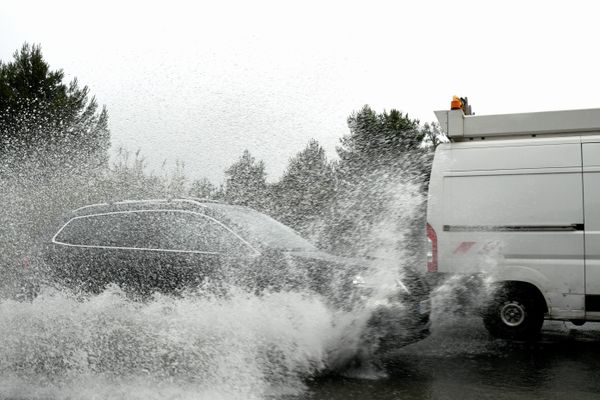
<point>156,230</point>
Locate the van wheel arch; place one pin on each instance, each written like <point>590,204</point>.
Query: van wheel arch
<point>525,286</point>
<point>515,310</point>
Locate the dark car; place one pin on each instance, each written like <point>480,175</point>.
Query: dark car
<point>179,245</point>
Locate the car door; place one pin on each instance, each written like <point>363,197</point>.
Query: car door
<point>89,252</point>
<point>142,251</point>
<point>194,249</point>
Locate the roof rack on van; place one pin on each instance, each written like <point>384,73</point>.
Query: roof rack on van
<point>460,127</point>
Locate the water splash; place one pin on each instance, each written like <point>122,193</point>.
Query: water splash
<point>244,346</point>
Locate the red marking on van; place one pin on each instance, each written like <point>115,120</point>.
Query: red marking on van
<point>464,247</point>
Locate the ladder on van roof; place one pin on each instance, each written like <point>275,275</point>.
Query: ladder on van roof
<point>461,127</point>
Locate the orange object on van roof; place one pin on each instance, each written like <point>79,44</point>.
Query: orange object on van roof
<point>456,103</point>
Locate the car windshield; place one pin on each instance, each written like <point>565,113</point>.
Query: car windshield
<point>263,231</point>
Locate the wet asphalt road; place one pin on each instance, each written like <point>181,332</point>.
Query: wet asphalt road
<point>460,361</point>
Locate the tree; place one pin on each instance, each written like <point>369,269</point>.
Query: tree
<point>433,135</point>
<point>127,178</point>
<point>377,141</point>
<point>53,151</point>
<point>175,182</point>
<point>203,189</point>
<point>246,182</point>
<point>304,193</point>
<point>43,119</point>
<point>382,161</point>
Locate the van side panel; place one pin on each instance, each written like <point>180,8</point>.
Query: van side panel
<point>516,212</point>
<point>514,198</point>
<point>491,156</point>
<point>591,184</point>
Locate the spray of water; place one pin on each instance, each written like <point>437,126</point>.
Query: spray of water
<point>244,345</point>
<point>463,294</point>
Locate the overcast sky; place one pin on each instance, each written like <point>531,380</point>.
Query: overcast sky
<point>202,81</point>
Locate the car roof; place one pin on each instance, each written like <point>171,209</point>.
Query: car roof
<point>192,204</point>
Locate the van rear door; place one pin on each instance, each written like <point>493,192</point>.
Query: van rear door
<point>591,185</point>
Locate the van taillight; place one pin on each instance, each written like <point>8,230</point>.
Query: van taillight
<point>432,251</point>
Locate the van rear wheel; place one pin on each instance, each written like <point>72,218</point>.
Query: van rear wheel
<point>514,313</point>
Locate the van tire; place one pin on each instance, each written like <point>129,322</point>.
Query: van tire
<point>514,313</point>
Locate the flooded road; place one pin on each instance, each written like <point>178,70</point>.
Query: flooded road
<point>269,348</point>
<point>460,361</point>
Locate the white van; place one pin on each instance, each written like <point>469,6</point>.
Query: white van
<point>515,198</point>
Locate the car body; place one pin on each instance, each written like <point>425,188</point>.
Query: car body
<point>177,245</point>
<point>514,198</point>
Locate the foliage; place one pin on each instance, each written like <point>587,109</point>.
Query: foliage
<point>53,148</point>
<point>433,135</point>
<point>204,189</point>
<point>175,183</point>
<point>50,122</point>
<point>127,178</point>
<point>53,152</point>
<point>381,157</point>
<point>303,194</point>
<point>246,182</point>
<point>377,141</point>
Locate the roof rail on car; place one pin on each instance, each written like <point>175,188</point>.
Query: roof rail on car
<point>203,200</point>
<point>123,202</point>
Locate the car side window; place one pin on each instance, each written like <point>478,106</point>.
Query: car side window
<point>114,230</point>
<point>150,229</point>
<point>191,231</point>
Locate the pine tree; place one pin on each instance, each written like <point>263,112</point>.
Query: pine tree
<point>381,157</point>
<point>246,182</point>
<point>54,124</point>
<point>378,142</point>
<point>53,151</point>
<point>304,193</point>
